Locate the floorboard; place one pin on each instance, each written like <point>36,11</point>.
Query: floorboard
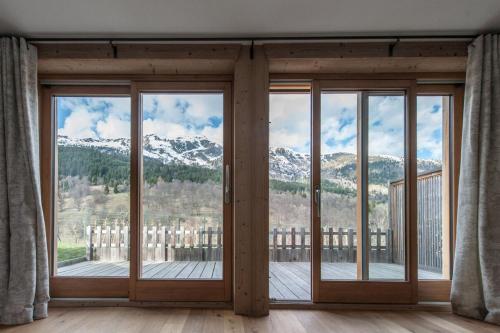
<point>153,320</point>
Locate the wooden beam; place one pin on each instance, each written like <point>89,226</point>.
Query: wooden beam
<point>135,66</point>
<point>251,184</point>
<point>155,59</point>
<point>137,51</point>
<point>430,49</point>
<point>326,50</point>
<point>368,65</point>
<point>365,50</point>
<point>177,51</point>
<point>74,51</point>
<point>436,76</point>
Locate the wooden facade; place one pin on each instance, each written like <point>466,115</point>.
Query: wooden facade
<point>248,70</point>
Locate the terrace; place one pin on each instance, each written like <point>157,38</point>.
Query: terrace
<point>196,254</point>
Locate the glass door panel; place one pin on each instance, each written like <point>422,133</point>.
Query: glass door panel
<point>339,180</point>
<point>182,186</point>
<point>386,187</point>
<point>433,187</point>
<point>360,171</point>
<point>290,195</point>
<point>92,171</point>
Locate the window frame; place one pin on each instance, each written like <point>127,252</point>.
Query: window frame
<point>439,290</point>
<point>367,291</point>
<point>130,287</point>
<point>177,290</point>
<point>69,286</point>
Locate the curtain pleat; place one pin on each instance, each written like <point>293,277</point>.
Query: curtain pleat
<point>24,274</point>
<point>476,277</point>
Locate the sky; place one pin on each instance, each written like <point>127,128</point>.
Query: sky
<point>188,115</point>
<point>166,115</point>
<point>290,124</point>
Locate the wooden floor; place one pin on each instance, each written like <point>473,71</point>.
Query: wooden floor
<point>152,320</point>
<point>287,280</point>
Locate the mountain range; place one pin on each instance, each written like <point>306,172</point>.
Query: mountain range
<point>285,165</point>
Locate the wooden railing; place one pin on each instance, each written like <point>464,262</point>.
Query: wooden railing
<point>111,243</point>
<point>291,244</point>
<point>339,245</point>
<point>429,218</point>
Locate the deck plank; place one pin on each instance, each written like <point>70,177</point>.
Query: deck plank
<point>208,271</point>
<point>217,274</point>
<point>288,280</point>
<point>287,293</point>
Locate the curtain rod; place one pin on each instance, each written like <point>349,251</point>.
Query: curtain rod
<point>247,39</point>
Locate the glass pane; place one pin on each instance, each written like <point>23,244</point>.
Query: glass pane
<point>338,185</point>
<point>432,219</point>
<point>289,196</point>
<point>182,185</point>
<point>386,214</point>
<point>92,186</point>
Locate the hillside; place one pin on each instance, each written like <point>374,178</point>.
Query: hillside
<point>197,159</point>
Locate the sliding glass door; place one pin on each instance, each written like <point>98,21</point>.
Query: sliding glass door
<point>182,236</point>
<point>86,188</point>
<point>362,171</point>
<point>137,190</point>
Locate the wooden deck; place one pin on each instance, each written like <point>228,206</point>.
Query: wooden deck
<point>287,280</point>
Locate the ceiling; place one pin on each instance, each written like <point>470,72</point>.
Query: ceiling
<point>238,18</point>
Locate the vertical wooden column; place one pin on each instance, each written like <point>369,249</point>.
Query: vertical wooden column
<point>251,183</point>
<point>445,191</point>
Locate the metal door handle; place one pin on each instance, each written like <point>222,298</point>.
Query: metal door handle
<point>317,199</point>
<point>227,189</point>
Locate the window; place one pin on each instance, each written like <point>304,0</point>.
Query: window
<point>182,185</point>
<point>433,186</point>
<point>138,186</point>
<point>339,183</point>
<point>91,213</point>
<point>289,192</point>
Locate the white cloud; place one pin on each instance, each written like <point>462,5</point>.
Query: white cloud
<point>94,117</point>
<point>338,123</point>
<point>113,127</point>
<point>183,115</point>
<point>386,125</point>
<point>79,124</point>
<point>290,118</point>
<point>429,120</point>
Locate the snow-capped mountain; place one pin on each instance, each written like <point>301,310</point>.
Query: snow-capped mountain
<point>196,151</point>
<point>284,164</point>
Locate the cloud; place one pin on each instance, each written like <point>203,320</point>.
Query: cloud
<point>386,132</point>
<point>184,115</point>
<point>188,115</point>
<point>94,117</point>
<point>166,115</point>
<point>430,127</point>
<point>339,123</point>
<point>290,121</point>
<point>79,124</point>
<point>113,127</point>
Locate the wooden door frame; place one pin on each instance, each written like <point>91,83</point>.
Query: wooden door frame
<point>176,290</point>
<point>69,286</point>
<point>368,291</point>
<point>439,290</point>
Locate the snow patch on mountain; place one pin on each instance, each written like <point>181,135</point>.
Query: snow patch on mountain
<point>284,164</point>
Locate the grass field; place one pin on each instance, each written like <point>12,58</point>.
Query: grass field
<point>67,251</point>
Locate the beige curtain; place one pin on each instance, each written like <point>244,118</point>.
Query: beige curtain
<point>23,249</point>
<point>476,278</point>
